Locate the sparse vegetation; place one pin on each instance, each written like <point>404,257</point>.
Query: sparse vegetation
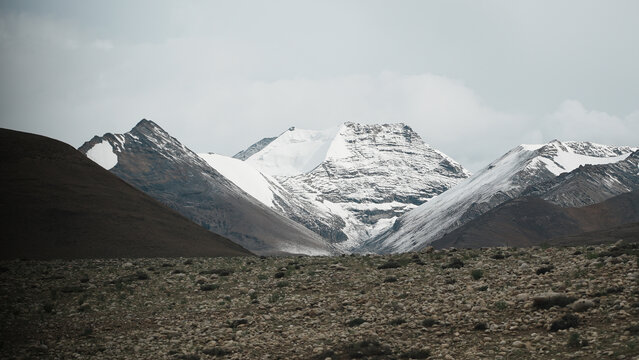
<point>566,322</point>
<point>355,322</point>
<point>327,306</point>
<point>544,269</point>
<point>391,264</point>
<point>429,322</point>
<point>209,287</point>
<point>454,263</point>
<point>397,321</point>
<point>477,274</point>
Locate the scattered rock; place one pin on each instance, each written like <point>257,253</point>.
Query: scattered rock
<point>548,300</point>
<point>582,305</point>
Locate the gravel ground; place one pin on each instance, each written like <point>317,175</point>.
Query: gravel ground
<point>499,303</point>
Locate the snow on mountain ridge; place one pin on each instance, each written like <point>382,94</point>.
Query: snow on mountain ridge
<point>501,180</point>
<point>294,152</point>
<point>372,174</point>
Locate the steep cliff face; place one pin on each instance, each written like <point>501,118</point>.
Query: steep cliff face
<point>355,178</point>
<point>156,163</point>
<point>505,179</point>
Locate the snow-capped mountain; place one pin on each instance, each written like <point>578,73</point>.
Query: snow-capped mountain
<point>356,178</point>
<point>502,180</point>
<point>590,184</point>
<point>271,193</point>
<point>158,164</point>
<point>247,153</point>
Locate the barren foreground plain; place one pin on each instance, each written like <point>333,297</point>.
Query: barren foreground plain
<point>497,303</point>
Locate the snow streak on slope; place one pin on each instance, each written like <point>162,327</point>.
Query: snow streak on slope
<point>294,152</point>
<point>502,180</point>
<point>103,155</point>
<point>245,176</point>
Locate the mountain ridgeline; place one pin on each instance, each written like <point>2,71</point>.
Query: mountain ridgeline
<point>57,204</point>
<point>376,188</point>
<point>158,164</point>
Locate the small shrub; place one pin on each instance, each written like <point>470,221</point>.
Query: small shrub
<point>615,290</point>
<point>219,272</point>
<point>477,274</point>
<point>209,287</point>
<point>501,305</point>
<point>73,289</point>
<point>88,331</point>
<point>454,263</point>
<point>139,275</point>
<point>397,321</point>
<point>366,348</point>
<point>498,256</point>
<point>546,302</point>
<point>574,341</point>
<point>48,308</point>
<point>634,329</point>
<point>279,275</point>
<point>281,284</point>
<point>216,351</point>
<point>188,357</point>
<point>482,288</point>
<point>275,297</point>
<point>415,354</point>
<point>544,269</point>
<point>355,322</point>
<point>566,322</point>
<point>262,277</point>
<point>450,281</point>
<point>480,326</point>
<point>391,264</point>
<point>235,323</point>
<point>429,322</point>
<point>390,279</point>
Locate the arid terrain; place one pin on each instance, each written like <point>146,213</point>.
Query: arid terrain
<point>499,303</point>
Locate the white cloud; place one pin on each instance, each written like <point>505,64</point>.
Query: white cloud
<point>204,91</point>
<point>573,121</point>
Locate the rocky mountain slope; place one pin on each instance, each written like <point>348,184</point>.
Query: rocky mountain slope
<point>156,163</point>
<point>506,178</point>
<point>533,221</point>
<point>56,203</point>
<point>247,153</point>
<point>590,184</point>
<point>268,190</point>
<point>356,178</point>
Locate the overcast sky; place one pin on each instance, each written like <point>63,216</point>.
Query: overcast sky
<point>474,78</point>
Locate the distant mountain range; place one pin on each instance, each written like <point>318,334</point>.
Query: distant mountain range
<point>346,183</point>
<point>374,188</point>
<point>57,204</point>
<point>555,171</point>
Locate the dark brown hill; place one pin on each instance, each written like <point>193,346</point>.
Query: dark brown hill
<point>56,203</point>
<point>533,221</point>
